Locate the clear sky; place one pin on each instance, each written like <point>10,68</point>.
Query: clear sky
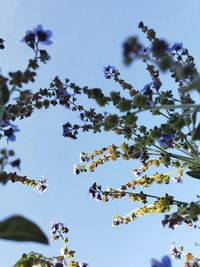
<point>87,35</point>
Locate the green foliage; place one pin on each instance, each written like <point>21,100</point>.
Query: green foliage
<point>18,228</point>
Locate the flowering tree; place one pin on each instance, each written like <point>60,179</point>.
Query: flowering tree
<point>172,143</point>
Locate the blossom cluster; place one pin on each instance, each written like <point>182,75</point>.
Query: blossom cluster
<point>172,143</point>
<point>38,35</point>
<point>66,258</point>
<point>38,185</point>
<point>9,130</point>
<point>58,231</point>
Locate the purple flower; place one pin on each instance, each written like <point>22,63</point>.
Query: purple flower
<point>110,71</point>
<point>66,129</point>
<point>41,186</point>
<point>175,252</point>
<point>38,34</point>
<point>95,191</point>
<point>9,130</point>
<point>43,36</point>
<point>82,116</point>
<point>83,157</point>
<point>76,170</point>
<point>146,90</point>
<point>137,172</point>
<point>62,92</point>
<point>175,47</point>
<point>165,262</point>
<point>117,221</point>
<point>92,192</point>
<point>55,226</point>
<point>166,140</point>
<point>144,51</point>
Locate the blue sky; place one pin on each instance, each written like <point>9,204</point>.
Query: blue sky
<point>87,35</point>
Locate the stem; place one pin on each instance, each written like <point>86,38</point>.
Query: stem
<point>154,154</point>
<point>147,195</point>
<point>164,151</point>
<point>184,106</point>
<point>176,170</point>
<point>157,197</point>
<point>2,108</point>
<point>164,115</point>
<point>61,235</point>
<point>189,160</point>
<point>155,150</point>
<point>192,148</point>
<point>185,159</point>
<point>182,150</point>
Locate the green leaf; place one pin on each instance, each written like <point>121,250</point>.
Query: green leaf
<point>196,134</point>
<point>18,228</point>
<point>194,174</point>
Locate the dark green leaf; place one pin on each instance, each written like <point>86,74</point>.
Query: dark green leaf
<point>194,174</point>
<point>18,228</point>
<point>196,134</point>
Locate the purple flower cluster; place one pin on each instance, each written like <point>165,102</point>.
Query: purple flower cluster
<point>62,93</point>
<point>9,130</point>
<point>166,140</point>
<point>83,157</point>
<point>41,186</point>
<point>175,47</point>
<point>70,130</point>
<point>94,191</point>
<point>117,221</point>
<point>38,35</point>
<point>110,71</point>
<point>56,227</point>
<point>146,90</point>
